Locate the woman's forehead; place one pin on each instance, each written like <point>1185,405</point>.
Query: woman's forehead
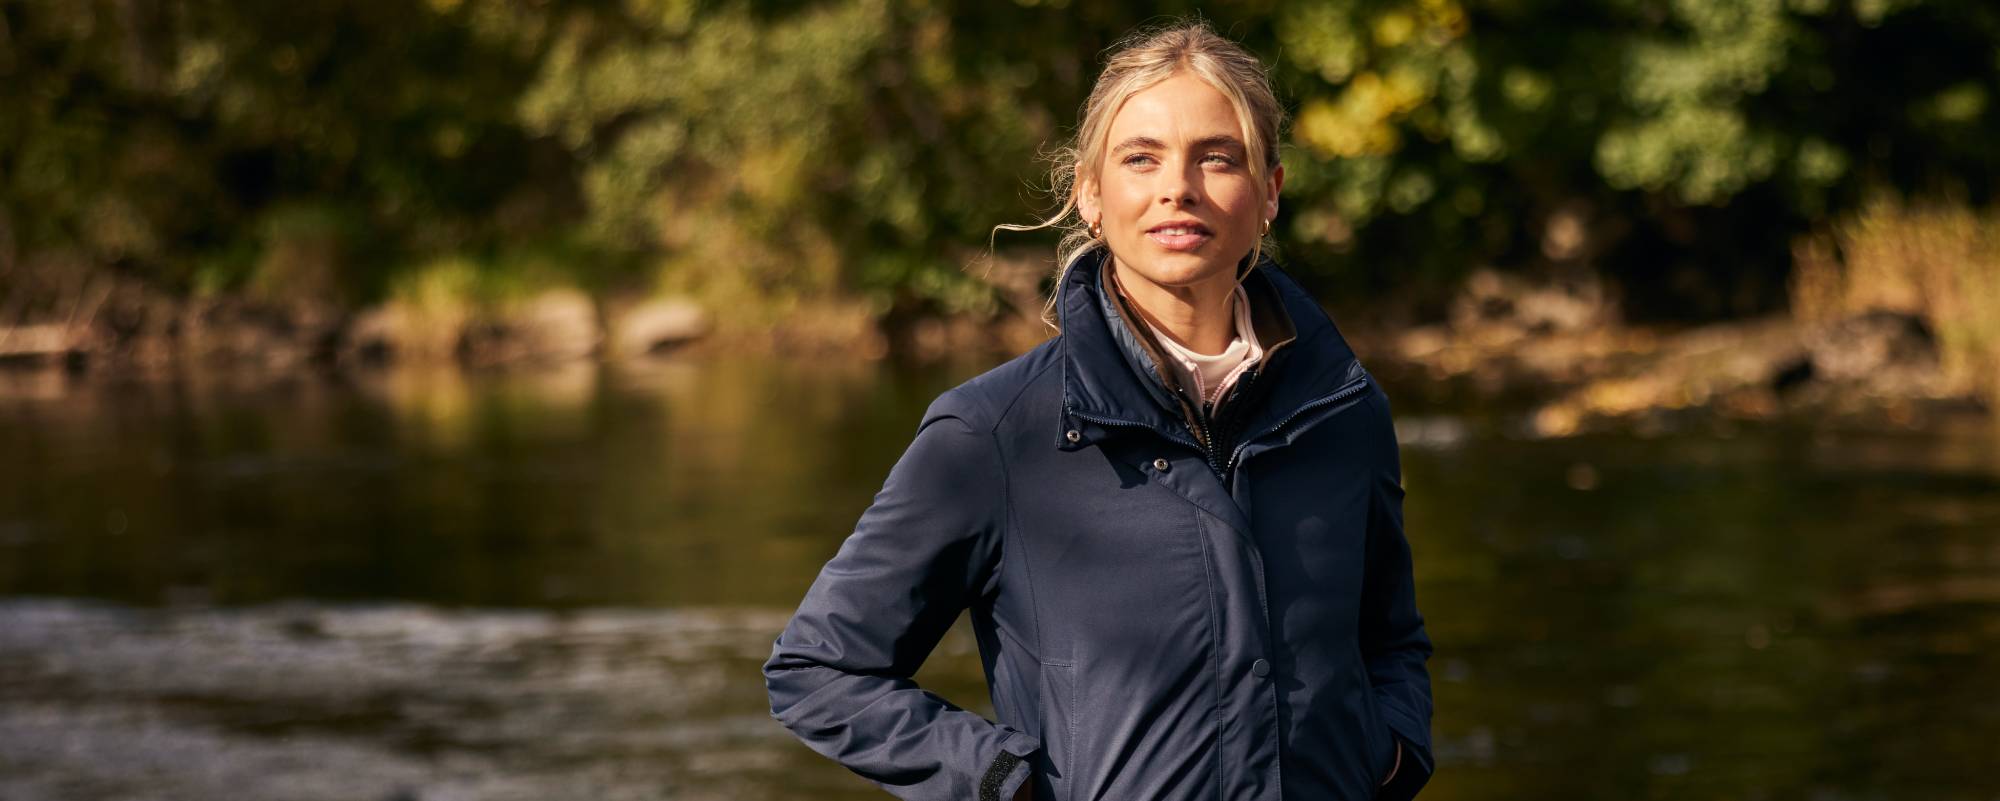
<point>1181,110</point>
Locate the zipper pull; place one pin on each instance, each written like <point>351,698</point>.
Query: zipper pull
<point>1237,389</point>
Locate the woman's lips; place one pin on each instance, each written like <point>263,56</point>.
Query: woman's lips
<point>1179,238</point>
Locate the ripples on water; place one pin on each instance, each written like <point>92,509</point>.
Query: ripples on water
<point>300,701</point>
<point>561,585</point>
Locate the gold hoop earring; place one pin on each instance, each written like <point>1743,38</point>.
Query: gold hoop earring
<point>1267,226</point>
<point>1096,230</point>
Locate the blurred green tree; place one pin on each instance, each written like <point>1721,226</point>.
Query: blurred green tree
<point>300,147</point>
<point>1678,146</point>
<point>761,152</point>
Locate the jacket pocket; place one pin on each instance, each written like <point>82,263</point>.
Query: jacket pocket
<point>1378,739</point>
<point>1381,742</point>
<point>1055,777</point>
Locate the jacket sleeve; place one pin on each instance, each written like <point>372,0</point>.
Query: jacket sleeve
<point>839,675</point>
<point>1393,641</point>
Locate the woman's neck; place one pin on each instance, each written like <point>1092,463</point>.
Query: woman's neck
<point>1199,317</point>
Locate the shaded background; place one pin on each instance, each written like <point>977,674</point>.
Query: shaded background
<point>452,399</point>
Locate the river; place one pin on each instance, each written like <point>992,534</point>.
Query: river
<point>425,585</point>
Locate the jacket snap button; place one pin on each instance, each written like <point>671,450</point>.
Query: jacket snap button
<point>1072,435</point>
<point>1160,465</point>
<point>1261,668</point>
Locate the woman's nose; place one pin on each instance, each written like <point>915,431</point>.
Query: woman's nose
<point>1178,187</point>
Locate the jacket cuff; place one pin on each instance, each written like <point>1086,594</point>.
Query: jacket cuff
<point>1008,770</point>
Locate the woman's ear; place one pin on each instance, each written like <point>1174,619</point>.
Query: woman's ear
<point>1087,202</point>
<point>1277,182</point>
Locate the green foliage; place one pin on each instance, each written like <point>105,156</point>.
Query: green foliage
<point>1447,132</point>
<point>192,139</point>
<point>764,151</point>
<point>855,145</point>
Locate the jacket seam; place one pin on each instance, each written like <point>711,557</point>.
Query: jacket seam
<point>1004,762</point>
<point>1009,530</point>
<point>1214,635</point>
<point>1026,384</point>
<point>1010,537</point>
<point>1023,645</point>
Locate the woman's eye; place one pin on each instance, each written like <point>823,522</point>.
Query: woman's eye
<point>1219,158</point>
<point>1138,159</point>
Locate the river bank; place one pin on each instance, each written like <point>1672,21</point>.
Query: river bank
<point>1553,353</point>
<point>1559,352</point>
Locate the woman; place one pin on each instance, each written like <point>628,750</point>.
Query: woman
<point>1177,525</point>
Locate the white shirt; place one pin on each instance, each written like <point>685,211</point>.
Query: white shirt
<point>1209,376</point>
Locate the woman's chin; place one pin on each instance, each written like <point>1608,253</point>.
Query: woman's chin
<point>1182,269</point>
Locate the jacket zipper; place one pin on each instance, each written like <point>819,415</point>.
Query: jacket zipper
<point>1209,452</point>
<point>1212,426</point>
<point>1351,389</point>
<point>1108,421</point>
<point>1203,423</point>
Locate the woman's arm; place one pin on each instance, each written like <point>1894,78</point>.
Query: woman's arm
<point>839,675</point>
<point>1393,641</point>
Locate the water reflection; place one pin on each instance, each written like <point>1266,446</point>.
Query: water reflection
<point>560,584</point>
<point>676,485</point>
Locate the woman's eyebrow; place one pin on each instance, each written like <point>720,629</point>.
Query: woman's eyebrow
<point>1139,143</point>
<point>1219,140</point>
<point>1149,143</point>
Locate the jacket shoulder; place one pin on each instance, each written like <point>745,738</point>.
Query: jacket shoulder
<point>984,401</point>
<point>1381,422</point>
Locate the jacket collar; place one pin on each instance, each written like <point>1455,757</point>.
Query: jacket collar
<point>1113,382</point>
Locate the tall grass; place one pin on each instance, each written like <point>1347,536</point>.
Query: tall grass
<point>435,303</point>
<point>1937,260</point>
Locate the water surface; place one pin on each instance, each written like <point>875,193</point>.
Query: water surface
<point>560,584</point>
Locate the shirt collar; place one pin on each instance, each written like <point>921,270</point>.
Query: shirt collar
<point>1111,375</point>
<point>1190,366</point>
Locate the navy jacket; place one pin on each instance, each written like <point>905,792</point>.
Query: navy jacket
<point>1168,605</point>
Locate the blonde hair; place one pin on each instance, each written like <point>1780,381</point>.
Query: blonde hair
<point>1141,60</point>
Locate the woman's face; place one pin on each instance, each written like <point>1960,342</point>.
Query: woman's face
<point>1174,193</point>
